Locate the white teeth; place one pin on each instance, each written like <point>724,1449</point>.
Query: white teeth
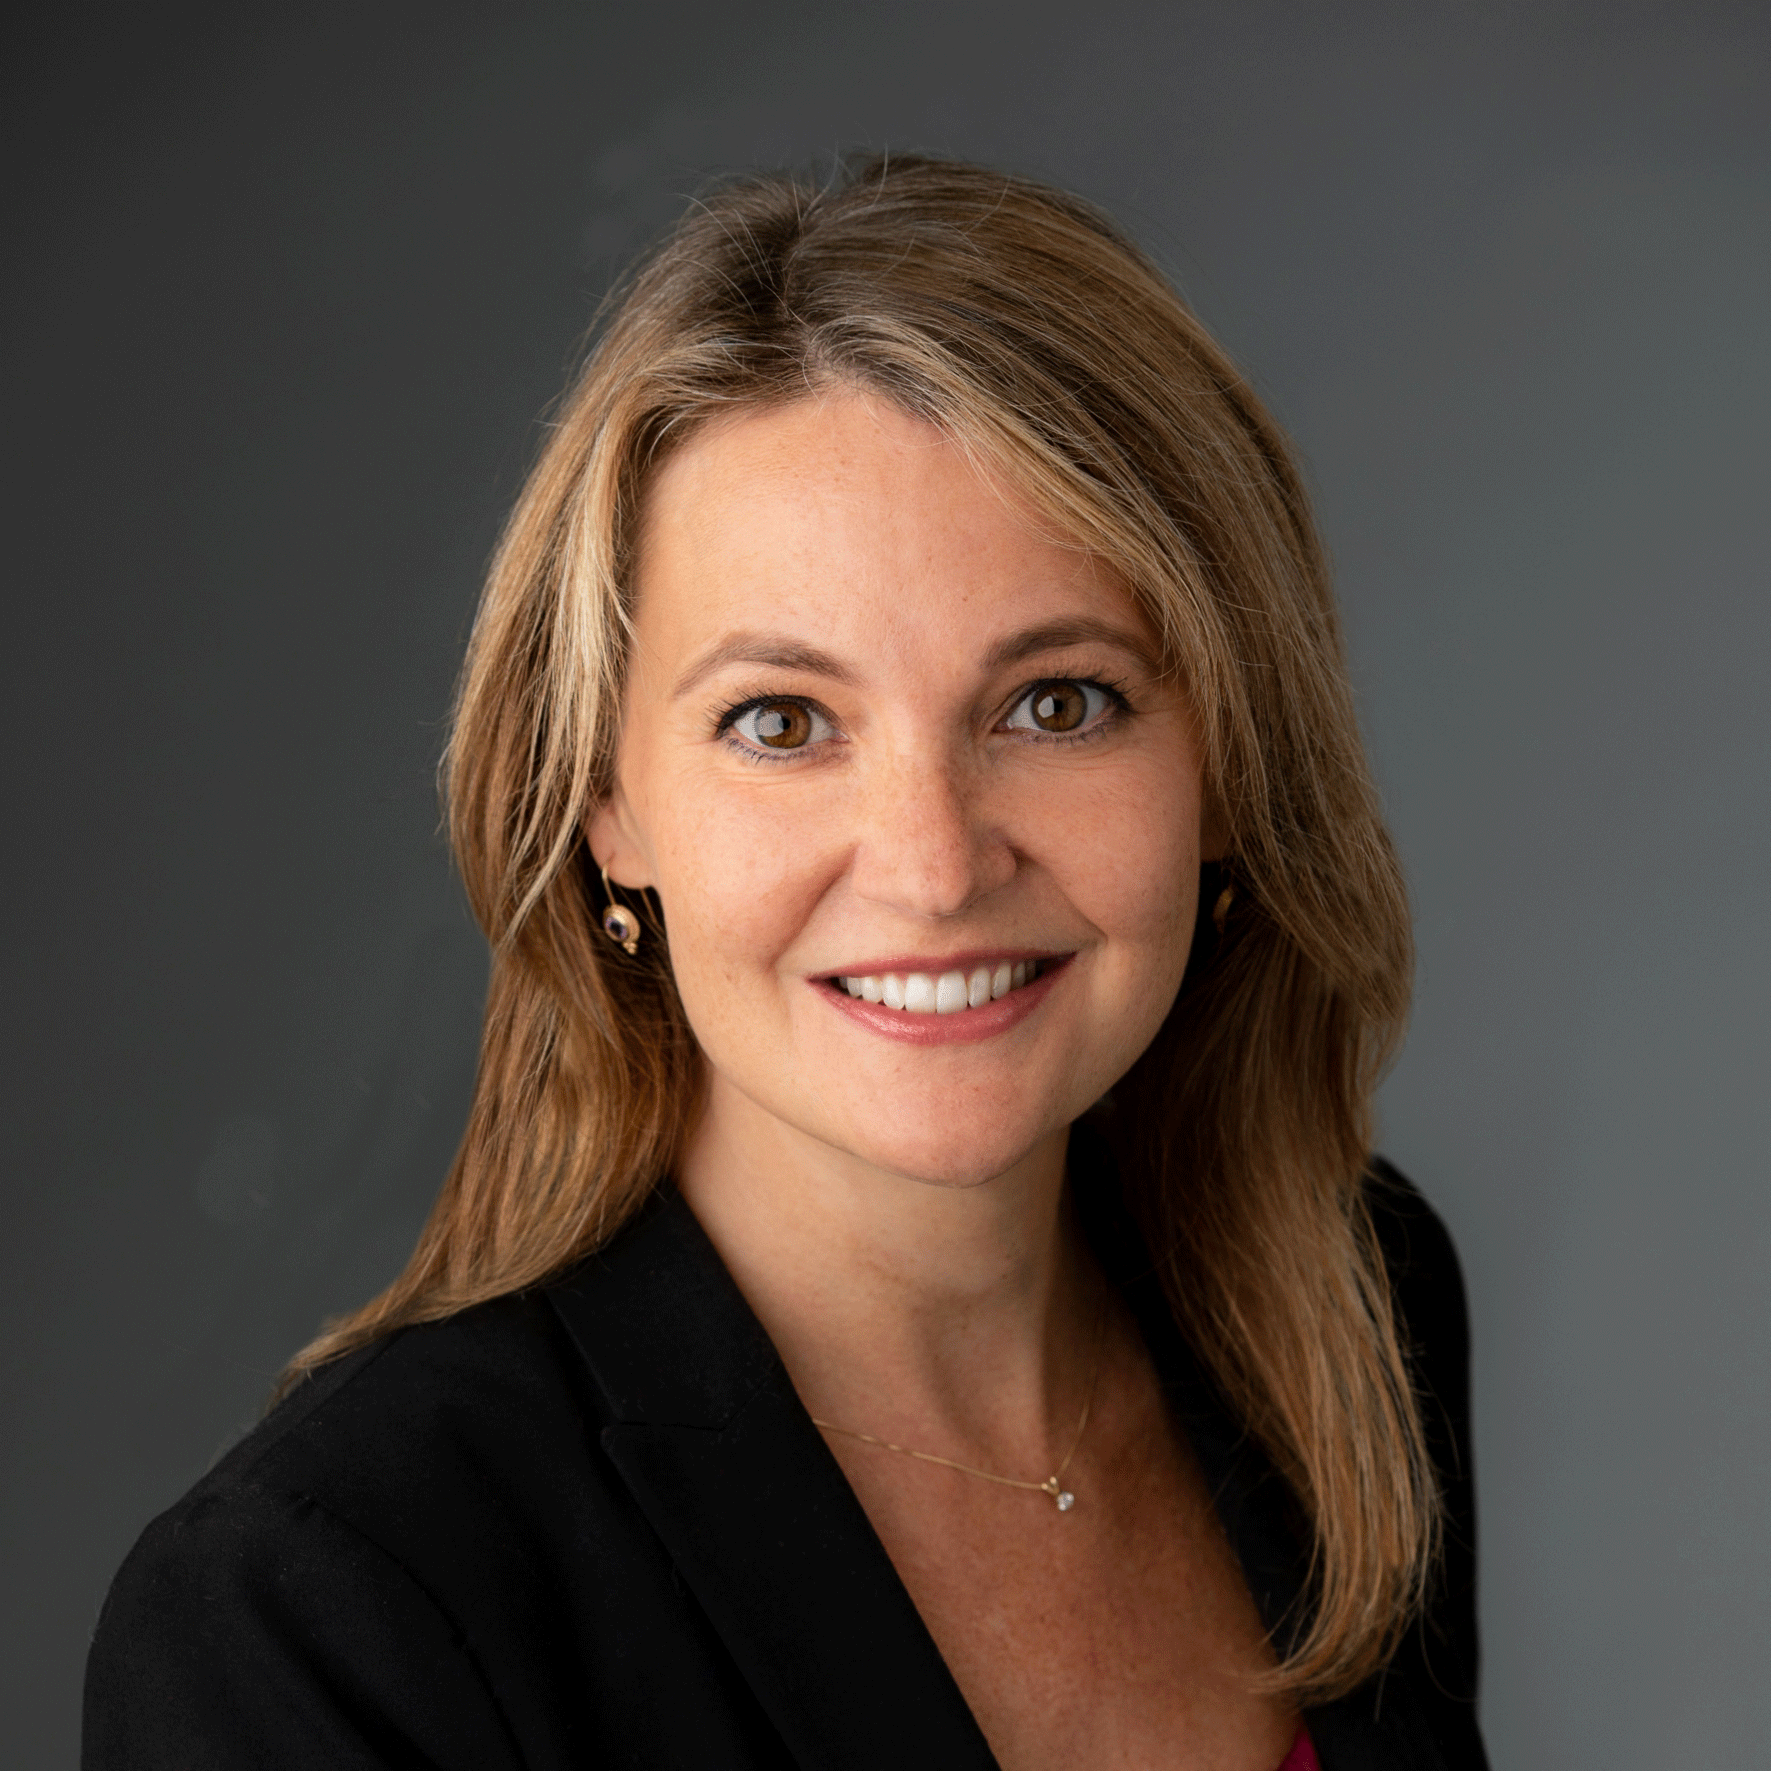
<point>919,993</point>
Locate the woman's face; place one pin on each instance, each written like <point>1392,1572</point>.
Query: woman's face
<point>924,816</point>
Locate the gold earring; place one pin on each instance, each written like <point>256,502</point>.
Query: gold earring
<point>620,923</point>
<point>1220,911</point>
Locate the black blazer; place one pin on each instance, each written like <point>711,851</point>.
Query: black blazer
<point>592,1525</point>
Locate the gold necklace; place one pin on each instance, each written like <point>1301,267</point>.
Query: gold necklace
<point>1052,1485</point>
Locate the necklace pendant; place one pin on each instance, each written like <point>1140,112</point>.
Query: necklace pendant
<point>1060,1494</point>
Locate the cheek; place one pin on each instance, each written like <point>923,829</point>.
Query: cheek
<point>1133,873</point>
<point>1126,846</point>
<point>739,872</point>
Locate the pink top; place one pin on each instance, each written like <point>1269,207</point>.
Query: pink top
<point>1302,1756</point>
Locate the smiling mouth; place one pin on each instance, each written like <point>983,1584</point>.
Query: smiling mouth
<point>943,993</point>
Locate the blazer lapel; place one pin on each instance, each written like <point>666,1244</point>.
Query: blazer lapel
<point>718,1451</point>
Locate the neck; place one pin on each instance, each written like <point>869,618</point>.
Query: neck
<point>905,1308</point>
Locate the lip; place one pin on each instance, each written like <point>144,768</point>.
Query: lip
<point>968,1025</point>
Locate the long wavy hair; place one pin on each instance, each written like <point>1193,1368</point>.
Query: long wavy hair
<point>1030,330</point>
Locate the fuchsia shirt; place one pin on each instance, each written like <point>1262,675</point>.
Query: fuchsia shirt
<point>1302,1756</point>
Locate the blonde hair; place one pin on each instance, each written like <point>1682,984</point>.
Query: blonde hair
<point>1028,328</point>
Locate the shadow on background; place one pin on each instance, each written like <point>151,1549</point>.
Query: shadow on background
<point>291,289</point>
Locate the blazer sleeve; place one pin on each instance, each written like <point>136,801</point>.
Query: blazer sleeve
<point>1427,1287</point>
<point>254,1631</point>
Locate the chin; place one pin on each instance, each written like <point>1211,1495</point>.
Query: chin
<point>940,1160</point>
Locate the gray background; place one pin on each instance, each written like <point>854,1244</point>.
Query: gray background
<point>289,288</point>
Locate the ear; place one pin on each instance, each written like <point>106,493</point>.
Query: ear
<point>617,843</point>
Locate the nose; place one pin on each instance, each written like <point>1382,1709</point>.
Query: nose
<point>926,843</point>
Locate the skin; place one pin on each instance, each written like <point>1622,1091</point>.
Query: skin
<point>895,1212</point>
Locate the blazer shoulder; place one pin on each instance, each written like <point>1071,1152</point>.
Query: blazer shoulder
<point>409,1443</point>
<point>490,1378</point>
<point>1413,1235</point>
<point>1427,1289</point>
<point>1426,1281</point>
<point>252,1626</point>
<point>334,1567</point>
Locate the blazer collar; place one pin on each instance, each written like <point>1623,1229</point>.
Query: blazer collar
<point>723,1459</point>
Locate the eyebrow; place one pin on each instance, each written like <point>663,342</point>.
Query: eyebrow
<point>1056,636</point>
<point>774,650</point>
<point>780,652</point>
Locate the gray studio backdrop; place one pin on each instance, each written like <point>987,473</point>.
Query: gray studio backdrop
<point>289,290</point>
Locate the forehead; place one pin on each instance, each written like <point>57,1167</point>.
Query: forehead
<point>843,514</point>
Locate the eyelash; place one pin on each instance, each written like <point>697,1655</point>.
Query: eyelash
<point>723,730</point>
<point>1119,708</point>
<point>1115,692</point>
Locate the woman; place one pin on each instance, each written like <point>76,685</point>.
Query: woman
<point>913,1288</point>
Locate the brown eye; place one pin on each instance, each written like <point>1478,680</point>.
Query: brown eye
<point>1060,706</point>
<point>779,725</point>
